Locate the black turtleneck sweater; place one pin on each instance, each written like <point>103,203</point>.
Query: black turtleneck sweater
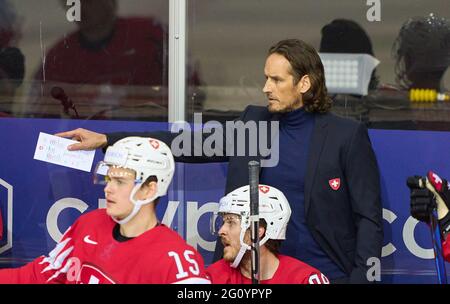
<point>289,177</point>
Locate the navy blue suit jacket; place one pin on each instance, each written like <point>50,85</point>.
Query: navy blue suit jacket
<point>347,222</point>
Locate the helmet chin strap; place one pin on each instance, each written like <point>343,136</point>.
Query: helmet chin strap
<point>244,248</point>
<point>137,205</point>
<point>240,255</point>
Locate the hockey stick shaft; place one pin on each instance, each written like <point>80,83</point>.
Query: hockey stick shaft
<point>437,248</point>
<point>253,170</point>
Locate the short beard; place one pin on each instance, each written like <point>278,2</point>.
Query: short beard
<point>287,109</point>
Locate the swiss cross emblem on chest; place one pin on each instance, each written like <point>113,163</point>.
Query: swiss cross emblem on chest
<point>335,183</point>
<point>154,143</point>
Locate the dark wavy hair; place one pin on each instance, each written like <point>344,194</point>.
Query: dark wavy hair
<point>305,60</point>
<point>272,245</point>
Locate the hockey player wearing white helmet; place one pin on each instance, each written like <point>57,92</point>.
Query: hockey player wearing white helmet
<point>124,243</point>
<point>137,170</point>
<point>232,223</point>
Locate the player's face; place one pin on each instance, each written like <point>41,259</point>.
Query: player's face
<point>283,95</point>
<point>120,182</point>
<point>229,234</point>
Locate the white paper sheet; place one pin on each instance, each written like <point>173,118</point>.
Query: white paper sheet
<point>53,149</point>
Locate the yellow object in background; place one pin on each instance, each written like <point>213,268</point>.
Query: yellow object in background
<point>427,95</point>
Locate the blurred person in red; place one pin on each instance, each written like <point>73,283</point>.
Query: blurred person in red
<point>108,63</point>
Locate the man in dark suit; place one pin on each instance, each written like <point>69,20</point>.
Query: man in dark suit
<point>327,168</point>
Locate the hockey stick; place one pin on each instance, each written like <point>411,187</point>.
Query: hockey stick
<point>253,174</point>
<point>436,237</point>
<point>437,248</point>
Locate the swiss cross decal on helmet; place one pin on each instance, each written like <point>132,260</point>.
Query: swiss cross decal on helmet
<point>154,143</point>
<point>264,189</point>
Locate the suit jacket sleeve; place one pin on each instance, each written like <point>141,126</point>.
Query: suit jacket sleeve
<point>195,143</point>
<point>195,151</point>
<point>216,138</point>
<point>364,185</point>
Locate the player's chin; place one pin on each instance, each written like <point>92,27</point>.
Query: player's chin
<point>229,254</point>
<point>274,107</point>
<point>229,257</point>
<point>111,211</point>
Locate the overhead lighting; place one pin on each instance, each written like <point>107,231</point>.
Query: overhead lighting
<point>348,73</point>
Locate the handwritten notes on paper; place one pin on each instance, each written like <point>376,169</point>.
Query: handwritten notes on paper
<point>53,149</point>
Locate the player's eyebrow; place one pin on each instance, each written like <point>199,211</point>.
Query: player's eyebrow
<point>231,217</point>
<point>119,178</point>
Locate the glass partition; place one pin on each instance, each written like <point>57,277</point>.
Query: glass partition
<point>111,64</point>
<point>229,40</point>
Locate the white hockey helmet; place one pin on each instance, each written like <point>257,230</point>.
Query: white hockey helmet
<point>273,208</point>
<point>147,157</point>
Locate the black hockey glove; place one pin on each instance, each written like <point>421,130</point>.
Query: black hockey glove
<point>422,199</point>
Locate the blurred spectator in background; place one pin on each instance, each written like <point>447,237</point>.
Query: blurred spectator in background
<point>108,64</point>
<point>9,24</point>
<point>422,52</point>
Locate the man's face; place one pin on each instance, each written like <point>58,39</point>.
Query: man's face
<point>229,234</point>
<point>120,182</point>
<point>283,95</point>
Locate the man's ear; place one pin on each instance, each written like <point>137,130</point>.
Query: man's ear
<point>304,84</point>
<point>262,231</point>
<point>148,190</point>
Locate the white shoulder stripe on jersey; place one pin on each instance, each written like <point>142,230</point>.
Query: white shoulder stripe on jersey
<point>58,262</point>
<point>55,252</point>
<point>193,281</point>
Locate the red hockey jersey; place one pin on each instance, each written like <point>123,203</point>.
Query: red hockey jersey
<point>446,248</point>
<point>88,253</point>
<point>289,271</point>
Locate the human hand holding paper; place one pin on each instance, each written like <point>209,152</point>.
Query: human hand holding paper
<point>53,149</point>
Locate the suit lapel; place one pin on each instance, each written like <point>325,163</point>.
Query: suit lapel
<point>317,142</point>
